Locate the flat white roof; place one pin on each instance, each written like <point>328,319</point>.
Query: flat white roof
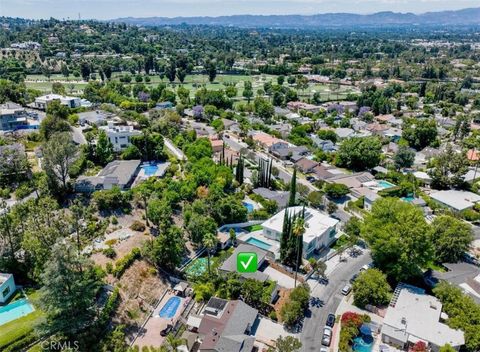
<point>316,222</point>
<point>416,316</point>
<point>459,200</point>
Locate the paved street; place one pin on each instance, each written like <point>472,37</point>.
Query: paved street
<point>329,298</point>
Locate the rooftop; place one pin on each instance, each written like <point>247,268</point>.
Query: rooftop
<point>316,222</point>
<point>458,200</point>
<point>230,264</point>
<point>226,326</point>
<point>414,315</point>
<point>4,278</point>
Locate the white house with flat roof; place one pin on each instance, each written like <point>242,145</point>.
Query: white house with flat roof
<point>320,229</point>
<point>414,316</point>
<point>120,135</point>
<point>456,200</point>
<point>7,287</point>
<point>43,101</point>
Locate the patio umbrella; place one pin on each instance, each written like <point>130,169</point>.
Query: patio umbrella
<point>365,330</point>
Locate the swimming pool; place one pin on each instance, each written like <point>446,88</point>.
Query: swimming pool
<point>408,199</point>
<point>170,308</point>
<point>363,343</point>
<point>249,206</point>
<point>150,169</point>
<point>385,184</point>
<point>15,310</point>
<point>257,243</point>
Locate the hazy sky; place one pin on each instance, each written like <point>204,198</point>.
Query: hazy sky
<point>108,9</point>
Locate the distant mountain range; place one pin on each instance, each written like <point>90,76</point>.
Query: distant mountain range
<point>461,17</point>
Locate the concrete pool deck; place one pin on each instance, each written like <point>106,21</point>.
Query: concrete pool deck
<point>274,245</point>
<point>150,336</point>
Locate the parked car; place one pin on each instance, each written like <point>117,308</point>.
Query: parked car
<point>346,289</point>
<point>167,330</point>
<point>311,179</point>
<point>327,336</point>
<point>330,320</point>
<point>353,278</point>
<point>323,349</point>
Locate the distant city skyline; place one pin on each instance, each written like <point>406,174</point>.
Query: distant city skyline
<point>111,9</point>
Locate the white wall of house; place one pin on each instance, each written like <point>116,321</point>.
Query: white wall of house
<point>7,288</point>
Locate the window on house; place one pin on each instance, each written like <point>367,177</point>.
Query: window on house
<point>6,292</point>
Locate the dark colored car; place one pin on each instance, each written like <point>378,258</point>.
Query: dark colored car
<point>167,330</point>
<point>330,320</point>
<point>353,278</point>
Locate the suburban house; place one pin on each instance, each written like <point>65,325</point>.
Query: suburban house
<point>269,142</point>
<point>43,101</point>
<point>93,118</point>
<point>320,229</point>
<point>353,181</point>
<point>231,125</point>
<point>322,173</point>
<point>230,265</point>
<point>12,117</point>
<point>120,136</point>
<point>343,133</point>
<point>414,316</point>
<point>300,105</point>
<point>119,173</point>
<point>324,144</point>
<point>224,326</point>
<point>279,197</point>
<point>7,287</point>
<point>291,151</point>
<point>306,165</point>
<point>217,144</point>
<point>456,200</point>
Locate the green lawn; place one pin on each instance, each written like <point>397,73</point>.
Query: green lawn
<point>192,83</point>
<point>17,329</point>
<point>254,228</point>
<point>340,242</point>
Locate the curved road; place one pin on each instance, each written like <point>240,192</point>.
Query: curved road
<point>329,299</point>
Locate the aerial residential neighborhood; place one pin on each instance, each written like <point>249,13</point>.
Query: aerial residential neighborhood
<point>226,181</point>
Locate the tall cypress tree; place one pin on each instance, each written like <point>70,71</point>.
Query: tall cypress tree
<point>293,189</point>
<point>285,237</point>
<point>239,170</point>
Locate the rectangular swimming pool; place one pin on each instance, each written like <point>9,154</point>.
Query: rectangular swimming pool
<point>170,308</point>
<point>150,169</point>
<point>257,243</point>
<point>385,184</point>
<point>15,310</point>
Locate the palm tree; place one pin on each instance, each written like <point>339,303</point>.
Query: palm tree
<point>172,342</point>
<point>210,242</point>
<point>299,227</point>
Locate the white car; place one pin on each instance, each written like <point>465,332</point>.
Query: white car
<point>323,349</point>
<point>327,336</point>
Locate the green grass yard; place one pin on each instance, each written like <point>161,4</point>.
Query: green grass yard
<point>75,85</point>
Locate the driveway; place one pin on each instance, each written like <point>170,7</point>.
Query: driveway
<point>266,331</point>
<point>282,279</point>
<point>327,298</point>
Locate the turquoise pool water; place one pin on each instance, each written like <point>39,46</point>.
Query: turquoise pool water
<point>15,310</point>
<point>385,184</point>
<point>408,199</point>
<point>362,343</point>
<point>170,308</point>
<point>150,169</point>
<point>248,206</point>
<point>257,243</point>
